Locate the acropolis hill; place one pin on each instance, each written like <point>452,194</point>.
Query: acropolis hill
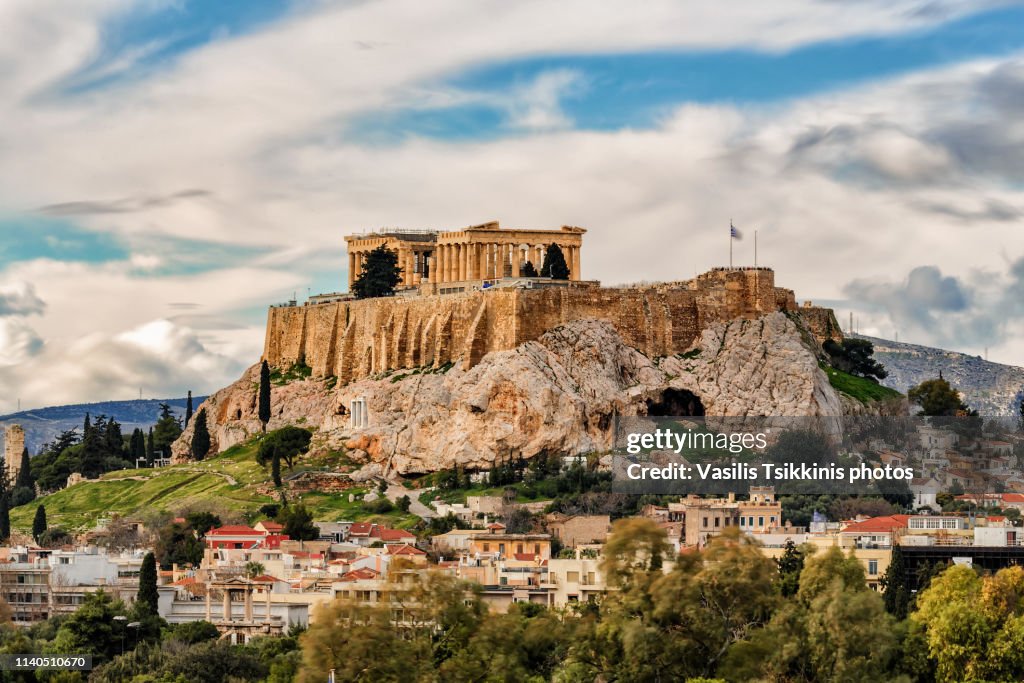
<point>470,361</point>
<point>462,297</point>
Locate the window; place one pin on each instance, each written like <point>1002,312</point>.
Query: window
<point>65,560</point>
<point>743,521</point>
<point>760,521</point>
<point>536,548</point>
<point>519,548</point>
<point>705,522</point>
<point>750,521</point>
<point>572,577</point>
<point>872,567</point>
<point>487,547</point>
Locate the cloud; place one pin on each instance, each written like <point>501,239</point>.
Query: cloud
<point>158,357</point>
<point>537,106</point>
<point>947,311</point>
<point>18,342</point>
<point>20,298</point>
<point>126,205</point>
<point>231,176</point>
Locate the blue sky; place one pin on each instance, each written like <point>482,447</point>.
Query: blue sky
<point>170,167</point>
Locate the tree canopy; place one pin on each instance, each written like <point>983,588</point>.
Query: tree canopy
<point>380,274</point>
<point>554,265</point>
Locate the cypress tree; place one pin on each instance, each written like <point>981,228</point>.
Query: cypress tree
<point>200,437</point>
<point>188,409</point>
<point>897,594</point>
<point>5,518</point>
<point>148,598</point>
<point>39,525</point>
<point>5,503</point>
<point>149,447</point>
<point>25,472</point>
<point>264,402</point>
<point>528,270</point>
<point>275,469</point>
<point>554,266</point>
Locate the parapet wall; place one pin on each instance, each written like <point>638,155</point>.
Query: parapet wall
<point>356,339</point>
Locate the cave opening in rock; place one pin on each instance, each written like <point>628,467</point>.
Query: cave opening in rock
<point>676,402</point>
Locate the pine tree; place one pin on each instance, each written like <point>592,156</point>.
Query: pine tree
<point>148,597</point>
<point>554,266</point>
<point>166,430</point>
<point>897,593</point>
<point>264,402</point>
<point>528,270</point>
<point>93,451</point>
<point>39,525</point>
<point>188,409</point>
<point>380,274</point>
<point>200,437</point>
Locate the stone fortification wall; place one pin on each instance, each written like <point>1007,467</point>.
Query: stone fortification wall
<point>357,339</point>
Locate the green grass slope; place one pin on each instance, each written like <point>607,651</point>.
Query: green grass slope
<point>226,482</point>
<point>864,390</point>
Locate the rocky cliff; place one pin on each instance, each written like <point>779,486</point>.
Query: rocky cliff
<point>558,393</point>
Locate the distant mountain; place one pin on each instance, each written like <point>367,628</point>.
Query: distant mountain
<point>43,424</point>
<point>989,388</point>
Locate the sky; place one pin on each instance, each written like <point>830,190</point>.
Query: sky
<point>168,168</point>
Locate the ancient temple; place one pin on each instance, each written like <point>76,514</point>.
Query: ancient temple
<point>479,253</point>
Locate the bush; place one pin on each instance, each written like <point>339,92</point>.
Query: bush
<point>380,506</point>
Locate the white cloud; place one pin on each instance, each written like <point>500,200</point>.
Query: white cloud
<point>242,142</point>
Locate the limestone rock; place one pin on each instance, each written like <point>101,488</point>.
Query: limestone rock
<point>557,394</point>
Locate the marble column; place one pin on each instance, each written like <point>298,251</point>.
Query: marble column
<point>576,264</point>
<point>208,606</point>
<point>432,267</point>
<point>517,252</point>
<point>351,269</point>
<point>227,605</point>
<point>538,257</point>
<point>506,253</point>
<point>448,262</point>
<point>463,262</point>
<point>248,604</point>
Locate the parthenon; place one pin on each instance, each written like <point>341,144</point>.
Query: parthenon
<point>429,258</point>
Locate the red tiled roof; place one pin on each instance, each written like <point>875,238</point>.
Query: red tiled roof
<point>495,525</point>
<point>1013,497</point>
<point>357,574</point>
<point>878,524</point>
<point>361,529</point>
<point>390,535</point>
<point>234,530</point>
<point>403,549</point>
<point>265,578</point>
<point>271,526</point>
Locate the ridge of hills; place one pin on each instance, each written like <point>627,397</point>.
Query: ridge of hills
<point>993,389</point>
<point>43,424</point>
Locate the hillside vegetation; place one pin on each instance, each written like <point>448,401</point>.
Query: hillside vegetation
<point>227,483</point>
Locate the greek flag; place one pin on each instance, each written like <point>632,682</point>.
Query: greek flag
<point>734,233</point>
